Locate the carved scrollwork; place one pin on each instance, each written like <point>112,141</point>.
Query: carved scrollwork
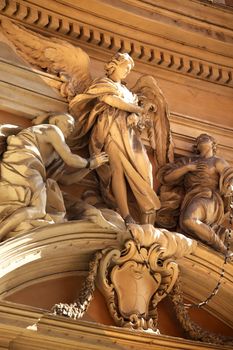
<point>134,280</point>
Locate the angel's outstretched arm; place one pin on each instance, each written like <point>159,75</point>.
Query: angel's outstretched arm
<point>118,102</point>
<point>55,137</point>
<point>75,177</point>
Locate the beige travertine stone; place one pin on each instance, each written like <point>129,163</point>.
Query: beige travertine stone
<point>113,115</point>
<point>197,33</point>
<point>133,280</point>
<point>30,198</point>
<point>38,330</point>
<point>195,192</point>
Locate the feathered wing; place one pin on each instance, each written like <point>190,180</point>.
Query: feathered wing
<point>158,131</point>
<point>55,56</point>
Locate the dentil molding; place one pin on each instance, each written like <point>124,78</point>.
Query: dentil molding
<point>39,18</point>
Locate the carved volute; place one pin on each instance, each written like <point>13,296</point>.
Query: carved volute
<point>134,280</point>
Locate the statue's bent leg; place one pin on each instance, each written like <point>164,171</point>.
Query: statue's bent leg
<point>35,211</point>
<point>192,221</point>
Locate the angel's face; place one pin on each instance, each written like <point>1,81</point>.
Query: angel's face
<point>204,142</point>
<point>122,70</point>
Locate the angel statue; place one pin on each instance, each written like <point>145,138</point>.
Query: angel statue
<point>109,118</point>
<point>28,196</point>
<point>196,190</point>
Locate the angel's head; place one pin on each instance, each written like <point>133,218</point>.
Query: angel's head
<point>119,66</point>
<point>204,141</point>
<point>64,121</point>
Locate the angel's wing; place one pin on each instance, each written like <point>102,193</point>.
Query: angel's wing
<point>158,133</point>
<point>54,55</point>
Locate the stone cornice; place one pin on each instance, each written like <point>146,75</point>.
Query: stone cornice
<point>25,328</point>
<point>210,12</point>
<point>80,238</point>
<point>147,47</point>
<point>24,91</point>
<point>39,256</point>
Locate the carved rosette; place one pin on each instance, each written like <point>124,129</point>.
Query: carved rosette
<point>133,281</point>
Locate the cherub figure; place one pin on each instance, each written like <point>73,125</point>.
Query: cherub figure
<point>109,117</point>
<point>26,193</point>
<point>205,180</point>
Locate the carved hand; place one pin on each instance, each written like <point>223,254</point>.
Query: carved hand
<point>191,166</point>
<point>132,120</point>
<point>98,160</point>
<point>202,166</point>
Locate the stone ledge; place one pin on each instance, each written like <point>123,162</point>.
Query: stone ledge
<point>59,25</point>
<point>39,256</point>
<point>25,328</point>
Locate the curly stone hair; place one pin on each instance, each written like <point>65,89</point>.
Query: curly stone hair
<point>198,139</point>
<point>116,60</point>
<point>46,118</point>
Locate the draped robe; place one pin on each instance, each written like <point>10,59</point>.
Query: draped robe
<point>23,179</point>
<point>205,188</point>
<point>104,128</point>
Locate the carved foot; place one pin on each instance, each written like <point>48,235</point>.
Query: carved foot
<point>129,220</point>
